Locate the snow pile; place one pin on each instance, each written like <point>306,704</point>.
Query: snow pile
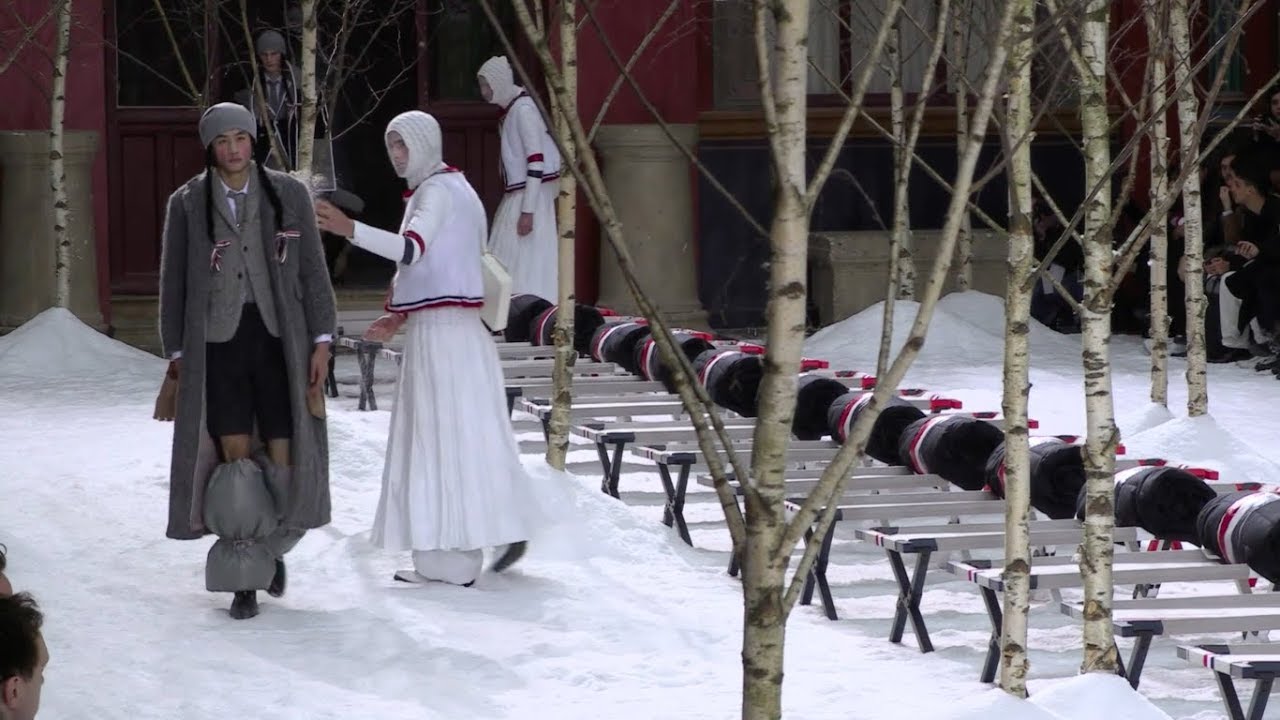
<point>1092,696</point>
<point>966,330</point>
<point>56,345</point>
<point>1142,419</point>
<point>1201,441</point>
<point>1095,696</point>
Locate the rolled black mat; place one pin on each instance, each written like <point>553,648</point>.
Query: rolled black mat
<point>814,396</point>
<point>886,432</point>
<point>1243,527</point>
<point>616,343</point>
<point>524,309</point>
<point>954,447</point>
<point>649,361</point>
<point>1164,501</point>
<point>586,321</point>
<point>1057,475</point>
<point>732,379</point>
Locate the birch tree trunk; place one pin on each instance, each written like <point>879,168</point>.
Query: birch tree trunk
<point>1189,137</point>
<point>566,222</point>
<point>899,252</point>
<point>764,567</point>
<point>307,127</point>
<point>1096,555</point>
<point>959,67</point>
<point>1156,15</point>
<point>57,169</point>
<point>1017,379</point>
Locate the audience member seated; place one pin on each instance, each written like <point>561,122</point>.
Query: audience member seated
<point>6,589</point>
<point>1257,283</point>
<point>23,657</point>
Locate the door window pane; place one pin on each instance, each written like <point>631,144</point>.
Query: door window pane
<point>459,40</point>
<point>147,70</point>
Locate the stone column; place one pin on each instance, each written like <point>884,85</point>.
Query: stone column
<point>650,184</point>
<point>27,252</point>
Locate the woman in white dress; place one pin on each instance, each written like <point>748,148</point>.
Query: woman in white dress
<point>524,236</point>
<point>452,483</point>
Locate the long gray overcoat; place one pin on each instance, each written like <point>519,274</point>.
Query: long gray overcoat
<point>306,309</point>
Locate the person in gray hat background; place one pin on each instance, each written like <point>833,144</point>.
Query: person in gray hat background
<point>247,315</point>
<point>279,81</point>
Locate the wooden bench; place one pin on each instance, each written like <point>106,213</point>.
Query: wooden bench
<point>1143,570</point>
<point>925,540</point>
<point>1144,619</point>
<point>1259,662</point>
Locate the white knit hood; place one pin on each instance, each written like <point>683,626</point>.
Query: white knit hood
<point>421,134</point>
<point>497,72</point>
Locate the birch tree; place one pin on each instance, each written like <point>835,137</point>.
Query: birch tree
<point>307,126</point>
<point>958,70</point>
<point>57,169</point>
<point>1193,254</point>
<point>906,136</point>
<point>566,224</point>
<point>1101,438</point>
<point>1155,12</point>
<point>1017,351</point>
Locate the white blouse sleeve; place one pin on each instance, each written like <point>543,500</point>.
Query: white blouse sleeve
<point>409,247</point>
<point>533,135</point>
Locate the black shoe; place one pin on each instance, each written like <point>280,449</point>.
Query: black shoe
<point>245,605</point>
<point>1267,364</point>
<point>1231,355</point>
<point>279,582</point>
<point>511,556</point>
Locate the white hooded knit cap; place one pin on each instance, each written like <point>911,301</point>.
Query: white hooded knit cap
<point>421,134</point>
<point>497,72</point>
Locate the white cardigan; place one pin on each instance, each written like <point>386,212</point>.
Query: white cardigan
<point>438,247</point>
<point>529,155</point>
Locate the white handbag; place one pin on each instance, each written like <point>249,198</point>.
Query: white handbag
<point>497,292</point>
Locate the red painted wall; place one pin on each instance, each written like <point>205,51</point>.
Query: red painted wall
<point>26,86</point>
<point>669,72</point>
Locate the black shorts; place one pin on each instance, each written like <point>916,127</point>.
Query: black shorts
<point>245,378</point>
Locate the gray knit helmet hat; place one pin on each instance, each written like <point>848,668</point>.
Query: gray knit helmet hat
<point>223,117</point>
<point>269,41</point>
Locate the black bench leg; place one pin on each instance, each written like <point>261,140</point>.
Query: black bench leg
<point>1137,658</point>
<point>331,382</point>
<point>546,429</point>
<point>362,360</point>
<point>818,574</point>
<point>910,590</point>
<point>992,661</point>
<point>366,356</point>
<point>1258,703</point>
<point>734,565</point>
<point>673,513</point>
<point>512,394</point>
<point>610,464</point>
<point>1230,698</point>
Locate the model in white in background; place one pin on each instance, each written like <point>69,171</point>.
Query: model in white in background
<point>524,233</point>
<point>452,483</point>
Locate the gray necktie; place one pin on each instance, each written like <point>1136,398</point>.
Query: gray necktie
<point>236,201</point>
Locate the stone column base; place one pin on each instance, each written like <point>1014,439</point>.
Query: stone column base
<point>27,249</point>
<point>649,182</point>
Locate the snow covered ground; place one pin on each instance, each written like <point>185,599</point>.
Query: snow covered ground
<point>610,615</point>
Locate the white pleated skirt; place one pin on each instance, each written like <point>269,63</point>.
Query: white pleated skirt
<point>452,478</point>
<point>532,260</point>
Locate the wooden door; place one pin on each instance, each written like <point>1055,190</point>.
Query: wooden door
<point>152,143</point>
<point>458,39</point>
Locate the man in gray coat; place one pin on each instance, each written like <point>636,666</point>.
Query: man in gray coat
<point>247,316</point>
